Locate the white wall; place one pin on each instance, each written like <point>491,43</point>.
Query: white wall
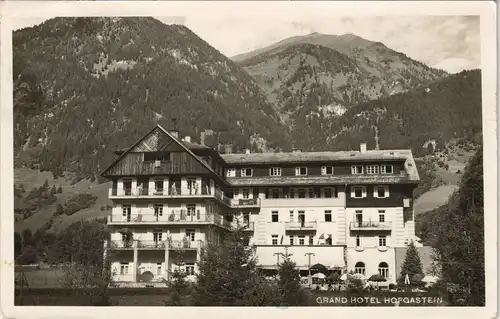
<point>372,257</point>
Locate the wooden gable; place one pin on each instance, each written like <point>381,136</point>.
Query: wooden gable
<point>155,141</point>
<point>181,161</point>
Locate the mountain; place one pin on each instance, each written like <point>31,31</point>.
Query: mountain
<point>86,86</point>
<point>311,79</point>
<point>425,119</point>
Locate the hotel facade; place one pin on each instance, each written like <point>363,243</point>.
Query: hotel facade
<point>348,211</point>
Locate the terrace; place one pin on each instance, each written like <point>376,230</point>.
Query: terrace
<point>175,217</point>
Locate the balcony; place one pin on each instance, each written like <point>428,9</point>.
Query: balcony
<point>301,226</point>
<point>172,192</point>
<point>184,244</point>
<point>179,217</point>
<point>245,203</point>
<point>371,226</point>
<point>249,226</point>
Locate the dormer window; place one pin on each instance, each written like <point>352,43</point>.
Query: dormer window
<point>327,170</point>
<point>358,192</point>
<point>356,169</point>
<point>300,171</point>
<point>156,156</point>
<point>381,191</point>
<point>386,169</point>
<point>246,172</point>
<point>275,171</point>
<point>230,172</point>
<point>372,169</point>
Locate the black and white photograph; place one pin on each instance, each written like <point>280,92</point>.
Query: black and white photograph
<point>252,154</point>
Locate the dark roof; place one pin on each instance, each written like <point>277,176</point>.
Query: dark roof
<point>318,180</point>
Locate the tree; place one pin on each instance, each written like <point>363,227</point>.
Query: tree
<point>18,245</point>
<point>28,256</point>
<point>27,237</point>
<point>53,190</point>
<point>412,265</point>
<point>45,186</point>
<point>59,210</point>
<point>59,190</point>
<point>225,271</point>
<point>289,285</point>
<point>178,289</point>
<point>459,249</point>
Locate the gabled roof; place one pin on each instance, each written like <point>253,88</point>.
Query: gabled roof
<point>175,139</point>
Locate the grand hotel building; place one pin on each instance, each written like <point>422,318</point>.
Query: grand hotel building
<point>345,210</point>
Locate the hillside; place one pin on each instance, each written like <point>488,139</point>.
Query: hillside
<point>312,79</point>
<point>86,86</point>
<point>424,119</point>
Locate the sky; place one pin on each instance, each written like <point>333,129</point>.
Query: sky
<point>451,43</point>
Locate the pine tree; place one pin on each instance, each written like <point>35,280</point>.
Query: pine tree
<point>18,244</point>
<point>178,288</point>
<point>225,272</point>
<point>460,238</point>
<point>53,190</point>
<point>27,238</point>
<point>45,185</point>
<point>289,285</point>
<point>412,265</point>
<point>59,189</point>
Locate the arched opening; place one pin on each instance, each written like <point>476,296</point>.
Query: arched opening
<point>359,268</point>
<point>383,269</point>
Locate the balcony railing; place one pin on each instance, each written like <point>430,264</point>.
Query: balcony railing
<point>155,244</point>
<point>220,195</point>
<point>185,244</point>
<point>309,225</point>
<point>246,202</point>
<point>174,217</point>
<point>171,191</point>
<point>369,225</point>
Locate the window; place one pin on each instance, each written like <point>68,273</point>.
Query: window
<point>302,240</point>
<point>126,210</point>
<point>358,191</point>
<point>300,171</point>
<point>274,239</point>
<point>158,268</point>
<point>383,269</point>
<point>246,193</point>
<point>230,172</point>
<point>159,186</point>
<point>291,240</point>
<point>386,169</point>
<point>156,156</point>
<point>158,210</point>
<point>330,192</point>
<point>381,191</point>
<point>274,216</point>
<point>229,218</point>
<point>275,193</point>
<point>358,241</point>
<point>275,171</point>
<point>311,240</point>
<point>301,193</point>
<point>382,241</point>
<point>123,268</point>
<point>190,234</point>
<point>328,215</point>
<point>372,169</point>
<point>291,216</point>
<point>246,172</point>
<point>191,210</point>
<point>381,216</point>
<point>327,170</point>
<point>189,269</point>
<point>157,235</point>
<point>359,268</point>
<point>357,169</point>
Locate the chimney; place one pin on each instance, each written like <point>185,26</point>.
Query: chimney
<point>362,147</point>
<point>187,139</point>
<point>247,151</point>
<point>174,131</point>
